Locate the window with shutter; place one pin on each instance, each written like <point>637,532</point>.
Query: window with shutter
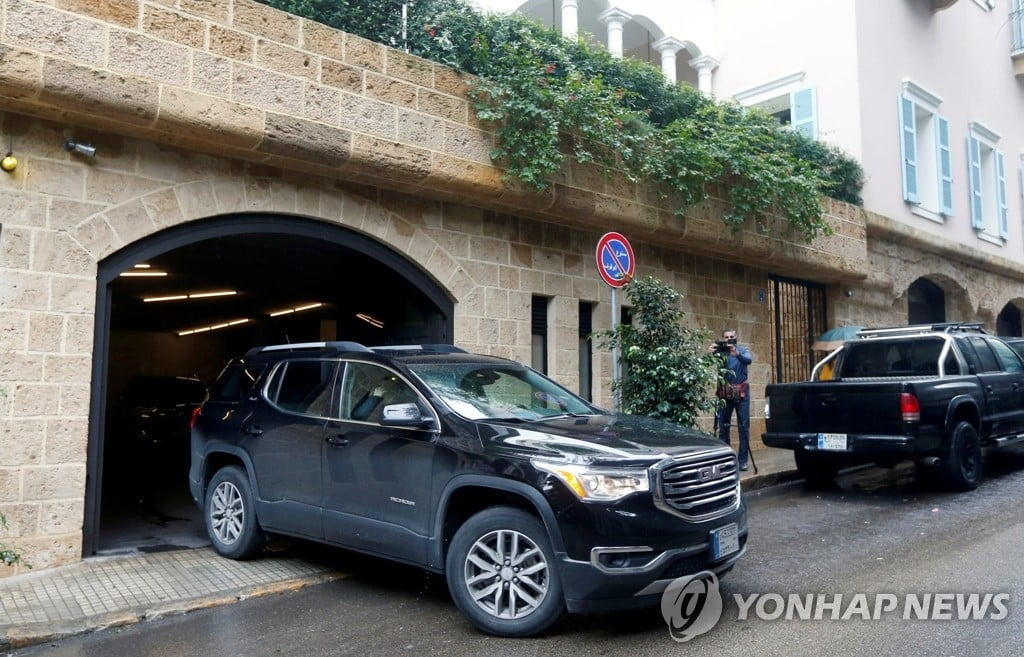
<point>987,167</point>
<point>793,105</point>
<point>926,158</point>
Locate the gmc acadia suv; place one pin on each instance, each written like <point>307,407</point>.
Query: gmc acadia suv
<point>529,499</point>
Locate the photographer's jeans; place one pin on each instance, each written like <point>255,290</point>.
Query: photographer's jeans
<point>742,409</point>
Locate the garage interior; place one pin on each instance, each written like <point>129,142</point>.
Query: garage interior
<point>178,315</point>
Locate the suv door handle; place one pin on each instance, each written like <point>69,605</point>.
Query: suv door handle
<point>337,441</point>
<point>252,430</point>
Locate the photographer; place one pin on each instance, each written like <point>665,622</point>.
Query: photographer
<point>733,391</point>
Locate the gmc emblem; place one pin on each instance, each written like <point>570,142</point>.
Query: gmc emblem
<point>710,473</point>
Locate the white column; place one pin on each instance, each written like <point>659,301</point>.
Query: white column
<point>668,47</point>
<point>614,19</point>
<point>704,65</point>
<point>570,18</point>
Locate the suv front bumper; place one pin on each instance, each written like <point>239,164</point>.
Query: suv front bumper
<point>595,586</point>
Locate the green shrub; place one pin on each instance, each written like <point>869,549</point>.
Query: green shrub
<point>670,375</point>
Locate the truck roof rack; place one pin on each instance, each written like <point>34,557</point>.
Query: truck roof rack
<point>917,329</point>
<point>336,346</point>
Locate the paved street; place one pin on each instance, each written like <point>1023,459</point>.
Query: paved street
<point>879,533</point>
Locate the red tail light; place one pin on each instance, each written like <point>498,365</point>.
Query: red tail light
<point>910,408</point>
<point>196,412</point>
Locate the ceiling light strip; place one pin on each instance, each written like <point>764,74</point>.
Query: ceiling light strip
<point>296,309</point>
<point>213,327</point>
<point>193,295</point>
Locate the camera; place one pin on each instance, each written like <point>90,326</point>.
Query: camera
<point>722,346</point>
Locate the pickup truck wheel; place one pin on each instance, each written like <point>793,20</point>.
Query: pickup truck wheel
<point>230,515</point>
<point>502,573</point>
<point>961,466</point>
<point>818,470</point>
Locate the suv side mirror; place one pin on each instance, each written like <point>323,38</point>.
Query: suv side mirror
<point>404,415</point>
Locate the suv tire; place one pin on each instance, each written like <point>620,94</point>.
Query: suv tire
<point>961,466</point>
<point>502,573</point>
<point>230,515</point>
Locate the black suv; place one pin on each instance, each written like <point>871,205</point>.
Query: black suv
<point>530,499</point>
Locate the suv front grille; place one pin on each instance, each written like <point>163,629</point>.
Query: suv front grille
<point>699,487</point>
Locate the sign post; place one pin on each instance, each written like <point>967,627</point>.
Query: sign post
<point>616,264</point>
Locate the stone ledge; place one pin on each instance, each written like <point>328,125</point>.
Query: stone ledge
<point>879,226</point>
<point>51,86</point>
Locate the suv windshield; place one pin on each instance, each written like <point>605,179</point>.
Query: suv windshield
<point>484,391</point>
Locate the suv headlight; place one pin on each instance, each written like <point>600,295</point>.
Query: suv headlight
<point>599,484</point>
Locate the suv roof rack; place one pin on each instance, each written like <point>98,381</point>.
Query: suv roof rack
<point>332,347</point>
<point>418,348</point>
<point>917,329</point>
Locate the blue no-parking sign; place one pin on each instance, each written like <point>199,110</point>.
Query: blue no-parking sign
<point>615,260</point>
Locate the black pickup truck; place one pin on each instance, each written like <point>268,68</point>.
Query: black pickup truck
<point>936,394</point>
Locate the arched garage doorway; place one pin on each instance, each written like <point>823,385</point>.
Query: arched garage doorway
<point>172,308</point>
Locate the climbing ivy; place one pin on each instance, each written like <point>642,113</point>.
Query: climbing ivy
<point>551,98</point>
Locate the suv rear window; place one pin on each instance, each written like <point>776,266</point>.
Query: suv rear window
<point>235,383</point>
<point>302,386</point>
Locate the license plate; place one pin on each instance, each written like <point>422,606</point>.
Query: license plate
<point>832,441</point>
<point>724,541</point>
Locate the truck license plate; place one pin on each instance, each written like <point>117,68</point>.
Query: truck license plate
<point>832,441</point>
<point>724,541</point>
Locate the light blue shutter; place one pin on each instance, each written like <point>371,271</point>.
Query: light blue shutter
<point>974,162</point>
<point>1017,16</point>
<point>1004,218</point>
<point>945,167</point>
<point>803,112</point>
<point>908,149</point>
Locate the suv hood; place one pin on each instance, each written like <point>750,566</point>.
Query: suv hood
<point>588,439</point>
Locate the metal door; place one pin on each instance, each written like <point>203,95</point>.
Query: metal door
<point>798,318</point>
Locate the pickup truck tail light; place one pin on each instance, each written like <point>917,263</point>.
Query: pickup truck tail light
<point>910,408</point>
<point>196,412</point>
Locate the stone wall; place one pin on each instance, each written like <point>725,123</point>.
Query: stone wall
<point>207,108</point>
<point>62,215</point>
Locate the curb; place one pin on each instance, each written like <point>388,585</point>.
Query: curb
<point>36,633</point>
<point>759,481</point>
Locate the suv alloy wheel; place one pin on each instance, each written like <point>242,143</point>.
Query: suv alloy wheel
<point>230,515</point>
<point>501,573</point>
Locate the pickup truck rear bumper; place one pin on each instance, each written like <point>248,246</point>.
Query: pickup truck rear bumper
<point>865,444</point>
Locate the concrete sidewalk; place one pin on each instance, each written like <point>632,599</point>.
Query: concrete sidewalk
<point>113,591</point>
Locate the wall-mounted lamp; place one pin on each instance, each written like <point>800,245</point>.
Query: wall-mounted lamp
<point>9,163</point>
<point>848,293</point>
<point>81,148</point>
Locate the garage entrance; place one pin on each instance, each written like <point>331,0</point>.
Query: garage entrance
<point>173,308</point>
